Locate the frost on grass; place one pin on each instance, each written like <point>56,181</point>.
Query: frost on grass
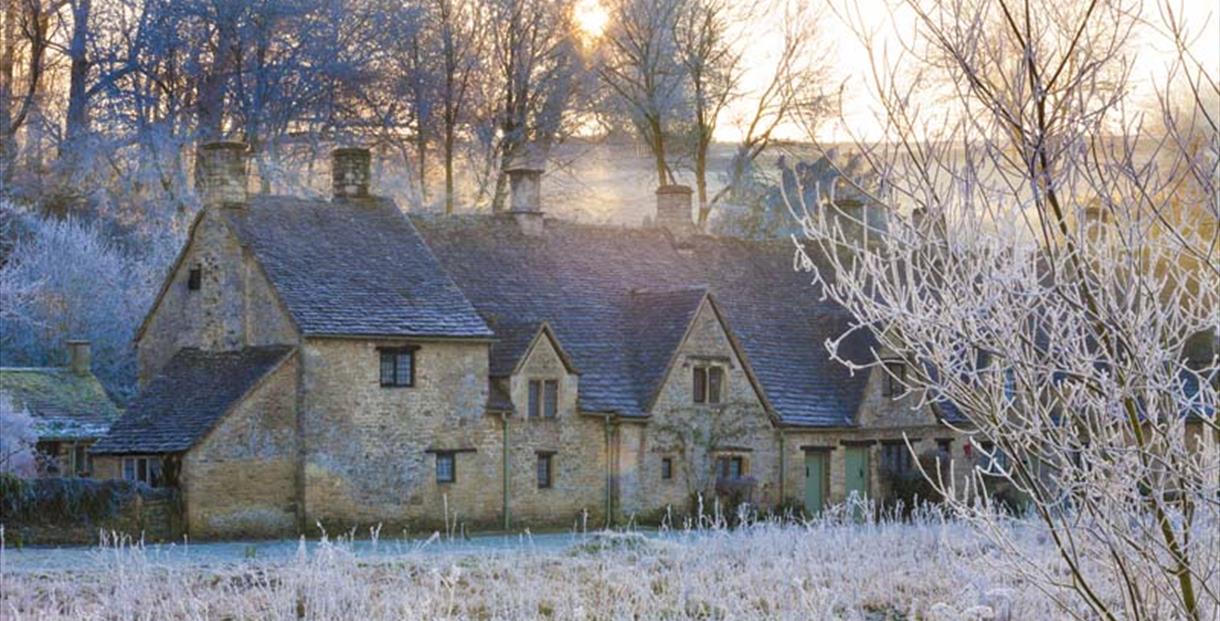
<point>929,569</point>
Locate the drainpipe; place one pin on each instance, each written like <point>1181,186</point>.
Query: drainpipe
<point>609,476</point>
<point>781,466</point>
<point>504,421</point>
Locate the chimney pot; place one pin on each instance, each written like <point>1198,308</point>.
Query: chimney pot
<point>80,359</point>
<point>350,172</point>
<point>674,210</point>
<point>220,174</point>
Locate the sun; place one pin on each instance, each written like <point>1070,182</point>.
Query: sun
<point>591,18</point>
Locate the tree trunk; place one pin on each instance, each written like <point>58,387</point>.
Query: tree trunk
<point>8,143</point>
<point>210,113</point>
<point>77,126</point>
<point>449,140</point>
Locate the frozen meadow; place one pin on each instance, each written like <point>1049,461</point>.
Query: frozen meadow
<point>928,568</point>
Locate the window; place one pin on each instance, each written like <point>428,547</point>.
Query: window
<point>143,469</point>
<point>194,279</point>
<point>991,459</point>
<point>895,376</point>
<point>896,459</point>
<point>708,384</point>
<point>80,461</point>
<point>446,467</point>
<point>397,366</point>
<point>730,467</point>
<point>544,470</point>
<point>944,446</point>
<point>544,398</point>
<point>550,401</point>
<point>667,468</point>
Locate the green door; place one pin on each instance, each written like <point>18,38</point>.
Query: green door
<point>855,465</point>
<point>816,472</point>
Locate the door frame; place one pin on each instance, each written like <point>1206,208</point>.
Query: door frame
<point>822,453</point>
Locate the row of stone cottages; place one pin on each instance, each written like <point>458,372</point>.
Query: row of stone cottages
<point>338,362</point>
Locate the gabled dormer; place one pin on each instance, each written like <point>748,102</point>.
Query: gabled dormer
<point>685,356</point>
<point>544,384</point>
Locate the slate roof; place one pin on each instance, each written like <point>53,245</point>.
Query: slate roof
<point>187,398</point>
<point>353,268</point>
<point>65,406</point>
<point>580,278</point>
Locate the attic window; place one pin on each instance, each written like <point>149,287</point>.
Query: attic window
<point>544,398</point>
<point>397,366</point>
<point>895,378</point>
<point>708,383</point>
<point>194,279</point>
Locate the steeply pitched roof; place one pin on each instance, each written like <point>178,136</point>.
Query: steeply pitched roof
<point>353,268</point>
<point>189,396</point>
<point>580,279</point>
<point>65,406</point>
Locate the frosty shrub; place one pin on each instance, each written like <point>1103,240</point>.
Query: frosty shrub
<point>18,438</point>
<point>1050,272</point>
<point>67,279</point>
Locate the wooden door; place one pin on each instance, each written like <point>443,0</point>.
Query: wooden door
<point>817,474</point>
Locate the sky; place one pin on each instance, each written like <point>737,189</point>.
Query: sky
<point>890,21</point>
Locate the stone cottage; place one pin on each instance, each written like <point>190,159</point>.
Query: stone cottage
<point>70,408</point>
<point>338,362</point>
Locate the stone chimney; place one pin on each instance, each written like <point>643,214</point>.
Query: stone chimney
<point>350,172</point>
<point>80,359</point>
<point>674,210</point>
<point>525,194</point>
<point>220,174</point>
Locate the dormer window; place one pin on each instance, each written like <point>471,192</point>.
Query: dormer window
<point>397,367</point>
<point>194,279</point>
<point>544,399</point>
<point>708,384</point>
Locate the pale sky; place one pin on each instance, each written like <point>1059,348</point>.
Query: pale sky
<point>851,65</point>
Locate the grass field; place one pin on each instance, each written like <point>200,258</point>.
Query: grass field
<point>929,569</point>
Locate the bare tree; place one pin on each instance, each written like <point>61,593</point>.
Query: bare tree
<point>1039,277</point>
<point>641,67</point>
<point>533,78</point>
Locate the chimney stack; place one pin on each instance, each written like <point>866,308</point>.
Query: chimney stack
<point>674,210</point>
<point>80,359</point>
<point>525,192</point>
<point>350,172</point>
<point>220,174</point>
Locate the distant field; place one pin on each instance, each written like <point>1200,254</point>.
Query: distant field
<point>932,569</point>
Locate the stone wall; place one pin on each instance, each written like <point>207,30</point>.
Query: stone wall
<point>235,305</point>
<point>694,435</point>
<point>576,442</point>
<point>370,451</point>
<point>240,480</point>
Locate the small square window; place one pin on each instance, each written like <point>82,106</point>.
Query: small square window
<point>730,467</point>
<point>667,468</point>
<point>446,468</point>
<point>194,278</point>
<point>544,470</point>
<point>895,379</point>
<point>896,459</point>
<point>397,366</point>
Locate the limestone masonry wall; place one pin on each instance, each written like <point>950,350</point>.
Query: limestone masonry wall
<point>240,480</point>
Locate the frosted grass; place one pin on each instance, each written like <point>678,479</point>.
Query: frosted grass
<point>929,568</point>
